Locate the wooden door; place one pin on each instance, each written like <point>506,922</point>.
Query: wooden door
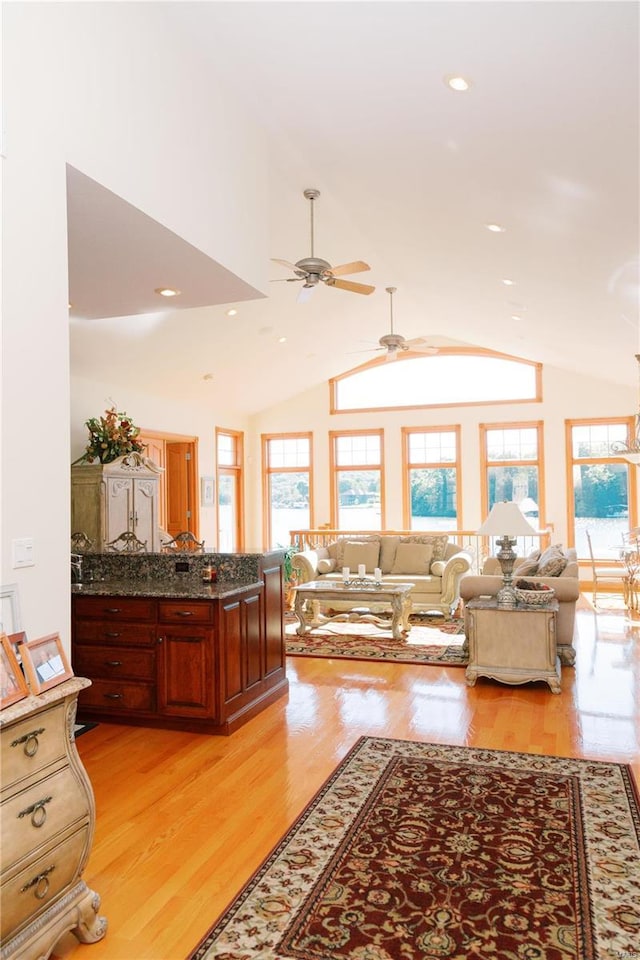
<point>154,451</point>
<point>180,488</point>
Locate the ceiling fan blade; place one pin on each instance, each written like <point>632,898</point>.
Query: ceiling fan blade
<point>349,285</point>
<point>284,263</point>
<point>420,345</point>
<point>286,280</point>
<point>305,292</point>
<point>356,267</point>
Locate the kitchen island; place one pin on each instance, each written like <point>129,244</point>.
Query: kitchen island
<point>164,649</point>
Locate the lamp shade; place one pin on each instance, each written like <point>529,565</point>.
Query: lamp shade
<point>506,520</point>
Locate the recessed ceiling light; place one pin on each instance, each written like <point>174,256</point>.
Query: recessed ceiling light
<point>514,316</point>
<point>457,83</point>
<point>494,227</point>
<point>282,339</point>
<point>167,291</point>
<point>208,376</point>
<point>232,312</point>
<point>508,283</point>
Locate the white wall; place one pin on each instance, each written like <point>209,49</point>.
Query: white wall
<point>109,89</point>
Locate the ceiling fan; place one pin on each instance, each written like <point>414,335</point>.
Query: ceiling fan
<point>312,270</point>
<point>394,343</point>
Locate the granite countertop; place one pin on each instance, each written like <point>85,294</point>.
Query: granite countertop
<point>169,589</point>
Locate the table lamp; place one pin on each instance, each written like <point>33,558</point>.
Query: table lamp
<point>507,522</point>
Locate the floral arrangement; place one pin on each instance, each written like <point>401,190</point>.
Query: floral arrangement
<point>111,436</point>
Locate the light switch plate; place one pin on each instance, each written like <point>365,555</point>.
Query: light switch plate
<point>23,552</point>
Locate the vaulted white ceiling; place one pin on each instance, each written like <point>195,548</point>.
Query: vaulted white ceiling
<point>353,99</point>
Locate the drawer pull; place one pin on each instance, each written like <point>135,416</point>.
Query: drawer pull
<point>41,883</point>
<point>113,696</point>
<point>37,811</point>
<point>30,741</point>
<point>184,613</point>
<point>113,663</point>
<point>112,636</point>
<point>112,610</point>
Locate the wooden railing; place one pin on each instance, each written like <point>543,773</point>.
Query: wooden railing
<point>478,547</point>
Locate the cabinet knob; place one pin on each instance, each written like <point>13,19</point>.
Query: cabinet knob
<point>160,639</point>
<point>113,663</point>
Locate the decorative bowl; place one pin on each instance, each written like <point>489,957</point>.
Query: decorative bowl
<point>532,594</point>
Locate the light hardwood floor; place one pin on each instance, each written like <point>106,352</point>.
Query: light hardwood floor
<point>185,819</point>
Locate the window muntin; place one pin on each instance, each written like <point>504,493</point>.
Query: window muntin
<point>451,378</point>
<point>287,486</point>
<point>602,487</point>
<point>431,481</point>
<point>358,484</point>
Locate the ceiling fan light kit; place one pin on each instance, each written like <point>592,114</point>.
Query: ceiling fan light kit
<point>313,270</point>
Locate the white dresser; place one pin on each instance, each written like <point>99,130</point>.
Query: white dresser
<point>47,820</point>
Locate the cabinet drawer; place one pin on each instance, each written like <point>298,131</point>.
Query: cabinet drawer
<point>185,611</point>
<point>97,631</point>
<point>118,696</point>
<point>115,662</point>
<point>33,889</point>
<point>31,744</point>
<point>115,608</point>
<point>34,816</point>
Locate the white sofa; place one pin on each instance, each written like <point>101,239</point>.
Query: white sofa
<point>432,563</point>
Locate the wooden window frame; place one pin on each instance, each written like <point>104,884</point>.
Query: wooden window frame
<point>335,470</point>
<point>571,462</point>
<point>485,463</point>
<point>407,467</point>
<point>266,471</point>
<point>237,472</point>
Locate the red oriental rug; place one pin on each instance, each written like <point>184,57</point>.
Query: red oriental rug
<point>418,851</point>
<point>431,640</point>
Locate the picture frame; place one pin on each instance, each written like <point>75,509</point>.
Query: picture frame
<point>207,491</point>
<point>45,662</point>
<point>10,619</point>
<point>13,686</point>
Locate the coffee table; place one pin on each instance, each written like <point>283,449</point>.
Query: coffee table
<point>315,592</point>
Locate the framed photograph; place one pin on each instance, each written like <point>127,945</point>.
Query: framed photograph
<point>207,491</point>
<point>45,662</point>
<point>13,686</point>
<point>10,620</point>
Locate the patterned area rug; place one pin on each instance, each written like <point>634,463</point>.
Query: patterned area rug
<point>417,851</point>
<point>431,640</point>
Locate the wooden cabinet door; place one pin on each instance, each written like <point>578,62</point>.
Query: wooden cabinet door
<point>119,507</point>
<point>185,672</point>
<point>145,512</point>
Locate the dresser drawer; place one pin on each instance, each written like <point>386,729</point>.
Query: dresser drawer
<point>118,696</point>
<point>31,744</point>
<point>115,608</point>
<point>33,889</point>
<point>34,816</point>
<point>115,662</point>
<point>185,611</point>
<point>97,631</point>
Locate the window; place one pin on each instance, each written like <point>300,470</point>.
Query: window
<point>357,490</point>
<point>431,483</point>
<point>287,486</point>
<point>453,377</point>
<point>602,487</point>
<point>512,469</point>
<point>229,489</point>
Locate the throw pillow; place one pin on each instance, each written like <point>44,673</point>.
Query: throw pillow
<point>412,558</point>
<point>326,566</point>
<point>438,544</point>
<point>342,542</point>
<point>437,567</point>
<point>357,553</point>
<point>388,547</point>
<point>527,568</point>
<point>552,562</point>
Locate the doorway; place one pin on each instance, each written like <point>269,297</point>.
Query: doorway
<point>177,455</point>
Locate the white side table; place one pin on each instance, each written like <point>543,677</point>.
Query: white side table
<point>513,645</point>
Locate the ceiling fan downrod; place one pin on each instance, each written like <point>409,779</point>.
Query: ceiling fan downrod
<point>311,194</point>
